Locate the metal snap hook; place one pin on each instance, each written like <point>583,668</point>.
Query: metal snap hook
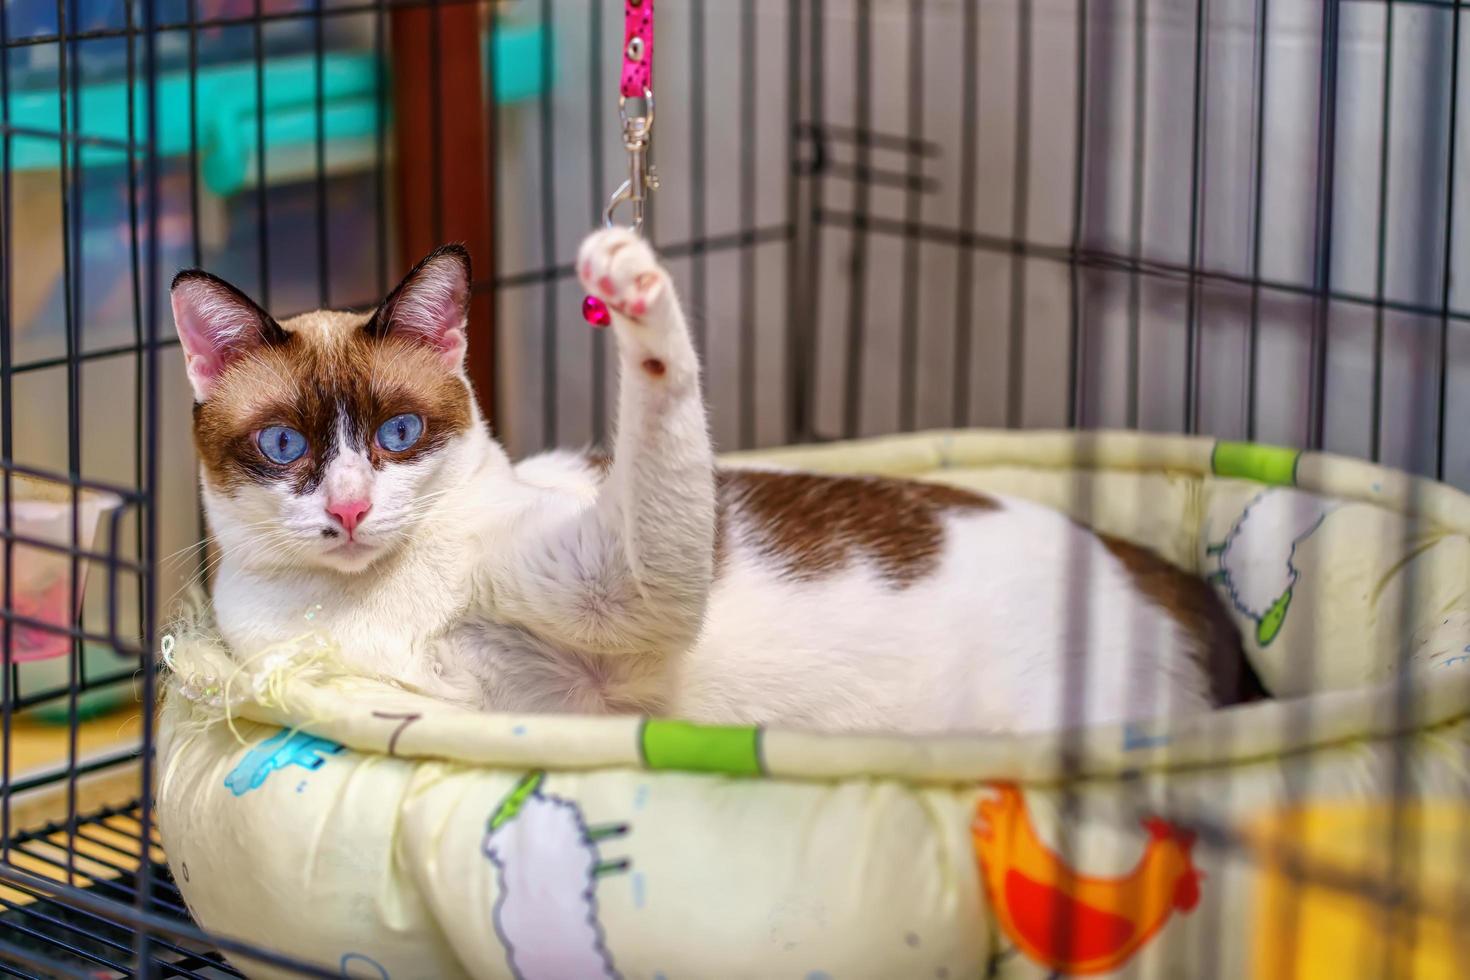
<point>637,133</point>
<point>621,196</point>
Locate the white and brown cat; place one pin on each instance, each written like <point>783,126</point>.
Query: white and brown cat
<point>344,463</point>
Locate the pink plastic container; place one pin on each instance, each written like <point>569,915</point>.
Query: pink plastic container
<point>42,512</point>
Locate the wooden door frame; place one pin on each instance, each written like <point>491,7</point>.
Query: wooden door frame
<point>435,58</point>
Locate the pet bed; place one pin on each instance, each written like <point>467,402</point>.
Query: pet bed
<point>344,821</point>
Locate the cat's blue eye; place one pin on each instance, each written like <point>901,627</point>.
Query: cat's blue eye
<point>400,432</point>
<point>281,444</point>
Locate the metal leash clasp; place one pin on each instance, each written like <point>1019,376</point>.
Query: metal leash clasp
<point>642,179</point>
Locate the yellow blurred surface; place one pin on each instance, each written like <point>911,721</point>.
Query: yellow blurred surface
<point>1331,923</point>
<point>104,849</point>
<point>36,746</point>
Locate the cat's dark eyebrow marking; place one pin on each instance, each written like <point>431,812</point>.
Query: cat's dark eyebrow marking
<point>323,438</point>
<point>353,430</point>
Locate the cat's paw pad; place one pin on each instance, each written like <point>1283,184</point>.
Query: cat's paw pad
<point>619,268</point>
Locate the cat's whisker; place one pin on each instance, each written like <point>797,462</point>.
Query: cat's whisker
<point>204,542</point>
<point>275,535</point>
<point>187,550</point>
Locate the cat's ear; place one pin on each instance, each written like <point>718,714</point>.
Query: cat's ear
<point>431,305</point>
<point>217,325</point>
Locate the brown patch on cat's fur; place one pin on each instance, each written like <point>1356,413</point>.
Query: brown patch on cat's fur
<point>816,525</point>
<point>1193,604</point>
<point>601,463</point>
<point>329,371</point>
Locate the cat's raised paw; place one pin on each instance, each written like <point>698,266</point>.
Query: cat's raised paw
<point>619,268</point>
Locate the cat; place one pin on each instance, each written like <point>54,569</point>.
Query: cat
<point>344,465</point>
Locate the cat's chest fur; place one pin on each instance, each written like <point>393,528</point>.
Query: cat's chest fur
<point>393,624</point>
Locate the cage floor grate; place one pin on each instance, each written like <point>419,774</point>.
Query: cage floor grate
<point>103,854</point>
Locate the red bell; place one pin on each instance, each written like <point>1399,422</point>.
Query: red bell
<point>594,311</point>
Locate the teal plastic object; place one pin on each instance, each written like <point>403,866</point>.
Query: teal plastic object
<point>53,674</point>
<point>524,60</point>
<point>226,108</point>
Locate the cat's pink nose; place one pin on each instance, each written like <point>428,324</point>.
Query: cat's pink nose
<point>349,513</point>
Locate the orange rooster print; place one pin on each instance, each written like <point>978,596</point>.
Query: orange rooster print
<point>1072,923</point>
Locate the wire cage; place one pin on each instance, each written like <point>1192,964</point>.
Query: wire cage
<point>1241,218</point>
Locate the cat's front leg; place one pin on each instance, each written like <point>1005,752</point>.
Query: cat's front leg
<point>632,573</point>
<point>660,491</point>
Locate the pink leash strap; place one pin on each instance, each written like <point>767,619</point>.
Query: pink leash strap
<point>636,83</point>
<point>637,48</point>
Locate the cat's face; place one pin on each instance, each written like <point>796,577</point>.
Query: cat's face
<point>324,439</point>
